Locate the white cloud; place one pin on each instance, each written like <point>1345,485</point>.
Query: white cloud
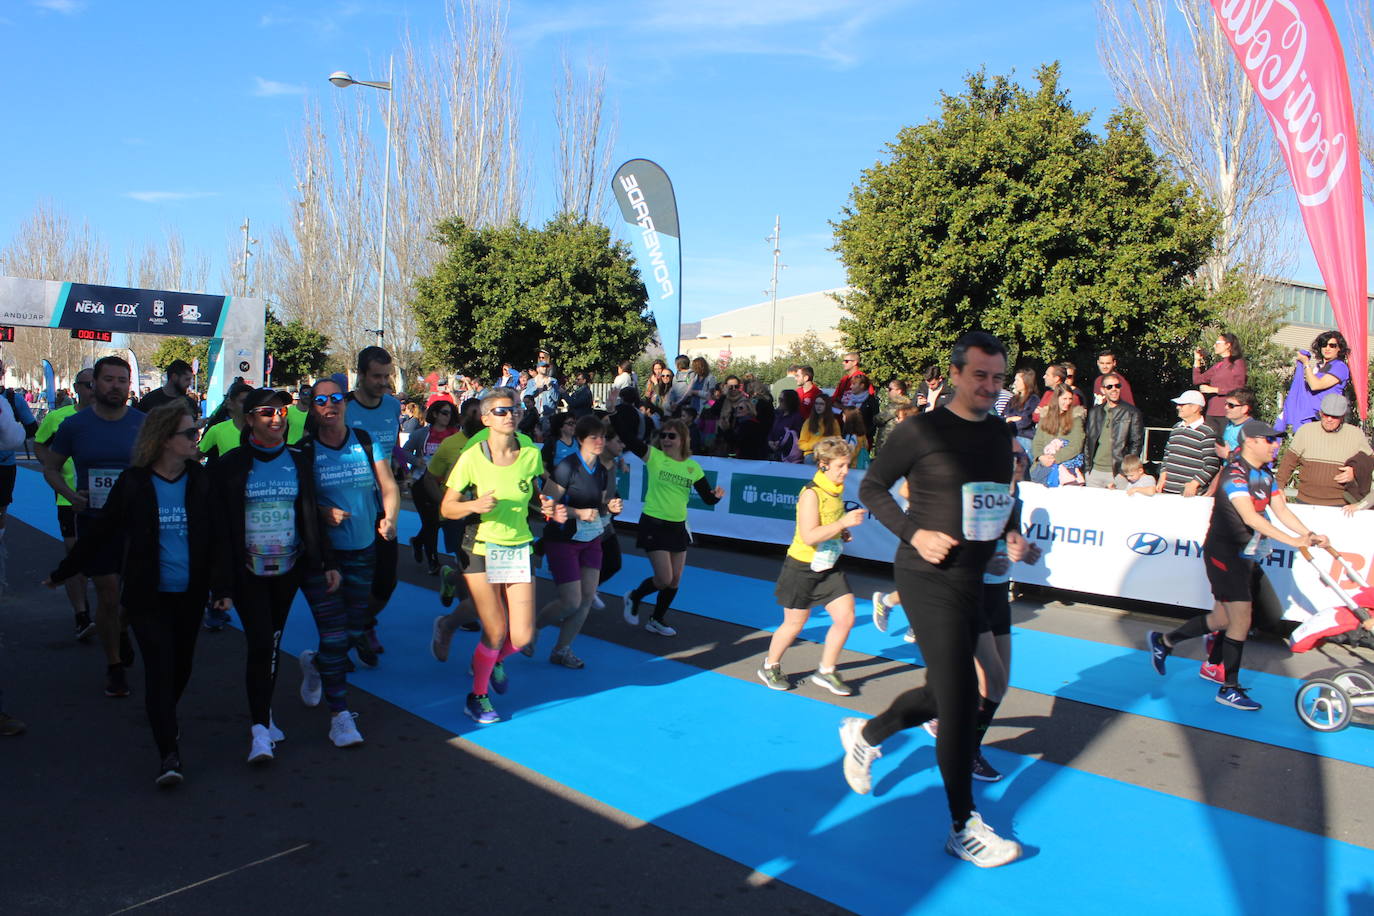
<point>65,7</point>
<point>269,88</point>
<point>163,197</point>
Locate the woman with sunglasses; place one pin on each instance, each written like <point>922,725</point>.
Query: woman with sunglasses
<point>492,482</point>
<point>265,497</point>
<point>1316,373</point>
<point>358,502</point>
<point>161,507</point>
<point>422,445</point>
<point>663,534</point>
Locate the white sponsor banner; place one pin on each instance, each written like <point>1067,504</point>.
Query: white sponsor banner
<point>1102,542</point>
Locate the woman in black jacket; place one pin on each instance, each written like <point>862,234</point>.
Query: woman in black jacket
<point>265,502</point>
<point>161,508</point>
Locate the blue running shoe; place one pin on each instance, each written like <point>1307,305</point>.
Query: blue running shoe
<point>480,710</point>
<point>499,682</point>
<point>1159,651</point>
<point>1236,698</point>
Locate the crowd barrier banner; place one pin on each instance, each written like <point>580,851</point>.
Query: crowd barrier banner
<point>1103,542</point>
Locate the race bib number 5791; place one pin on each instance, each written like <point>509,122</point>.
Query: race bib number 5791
<point>987,506</point>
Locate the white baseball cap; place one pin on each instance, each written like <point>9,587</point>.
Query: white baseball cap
<point>1191,397</point>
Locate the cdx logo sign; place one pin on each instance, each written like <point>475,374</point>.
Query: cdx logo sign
<point>1147,544</point>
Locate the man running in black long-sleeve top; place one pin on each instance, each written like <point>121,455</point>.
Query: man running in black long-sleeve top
<point>957,461</point>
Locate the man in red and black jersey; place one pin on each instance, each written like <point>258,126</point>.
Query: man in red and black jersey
<point>1237,539</point>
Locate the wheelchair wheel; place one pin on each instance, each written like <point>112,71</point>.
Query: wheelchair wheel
<point>1354,681</point>
<point>1322,705</point>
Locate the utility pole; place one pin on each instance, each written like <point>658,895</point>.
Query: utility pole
<point>243,290</point>
<point>775,239</point>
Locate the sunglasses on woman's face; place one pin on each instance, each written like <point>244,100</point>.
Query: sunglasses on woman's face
<point>190,432</point>
<point>268,412</point>
<point>667,436</point>
<point>1331,343</point>
<point>323,399</point>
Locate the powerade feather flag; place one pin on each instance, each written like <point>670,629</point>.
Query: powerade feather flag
<point>646,201</point>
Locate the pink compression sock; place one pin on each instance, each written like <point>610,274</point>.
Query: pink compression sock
<point>483,660</point>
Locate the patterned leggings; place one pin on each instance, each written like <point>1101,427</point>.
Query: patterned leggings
<point>341,618</point>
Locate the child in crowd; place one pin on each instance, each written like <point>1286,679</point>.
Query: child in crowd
<point>809,576</point>
<point>1133,478</point>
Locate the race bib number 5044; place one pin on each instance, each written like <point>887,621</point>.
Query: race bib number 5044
<point>987,506</point>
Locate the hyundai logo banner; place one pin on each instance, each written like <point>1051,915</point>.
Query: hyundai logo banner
<point>139,311</point>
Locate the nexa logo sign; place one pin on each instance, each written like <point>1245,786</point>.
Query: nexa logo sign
<point>88,307</point>
<point>1147,544</point>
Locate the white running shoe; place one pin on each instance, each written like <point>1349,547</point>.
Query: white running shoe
<point>276,735</point>
<point>597,603</point>
<point>631,612</point>
<point>880,612</point>
<point>977,843</point>
<point>858,755</point>
<point>312,685</point>
<point>261,751</point>
<point>662,629</point>
<point>343,731</point>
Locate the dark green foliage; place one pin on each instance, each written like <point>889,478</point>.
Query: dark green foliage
<point>1008,214</point>
<point>297,351</point>
<point>503,292</point>
<point>171,349</point>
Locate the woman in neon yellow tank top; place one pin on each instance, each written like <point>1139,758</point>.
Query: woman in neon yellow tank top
<point>494,481</point>
<point>663,534</point>
<point>809,576</point>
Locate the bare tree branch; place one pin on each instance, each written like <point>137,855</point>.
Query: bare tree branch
<point>585,142</point>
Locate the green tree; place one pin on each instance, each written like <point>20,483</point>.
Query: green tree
<point>297,350</point>
<point>502,292</point>
<point>1006,213</point>
<point>174,348</point>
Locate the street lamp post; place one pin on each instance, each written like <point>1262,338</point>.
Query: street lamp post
<point>342,80</point>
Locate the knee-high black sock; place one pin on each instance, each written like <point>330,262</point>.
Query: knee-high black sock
<point>664,601</point>
<point>987,709</point>
<point>1231,652</point>
<point>644,589</point>
<point>1218,645</point>
<point>1191,628</point>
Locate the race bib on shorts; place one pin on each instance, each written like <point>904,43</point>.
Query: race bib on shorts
<point>588,531</point>
<point>827,555</point>
<point>270,533</point>
<point>506,565</point>
<point>987,506</point>
<point>99,483</point>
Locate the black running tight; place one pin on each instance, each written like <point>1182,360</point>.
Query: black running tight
<point>943,609</point>
<point>166,636</point>
<point>263,603</point>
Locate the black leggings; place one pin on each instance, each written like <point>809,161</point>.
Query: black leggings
<point>263,603</point>
<point>943,609</point>
<point>429,519</point>
<point>166,636</point>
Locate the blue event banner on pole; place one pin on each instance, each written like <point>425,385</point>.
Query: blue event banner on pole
<point>646,200</point>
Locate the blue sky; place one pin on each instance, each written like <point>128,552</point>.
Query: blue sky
<point>138,116</point>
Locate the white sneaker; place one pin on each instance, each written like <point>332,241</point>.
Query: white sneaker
<point>597,603</point>
<point>343,731</point>
<point>858,755</point>
<point>631,612</point>
<point>312,685</point>
<point>977,843</point>
<point>261,751</point>
<point>662,629</point>
<point>880,611</point>
<point>274,734</point>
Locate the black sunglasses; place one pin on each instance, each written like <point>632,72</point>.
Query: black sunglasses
<point>323,399</point>
<point>506,411</point>
<point>667,436</point>
<point>190,433</point>
<point>1105,387</point>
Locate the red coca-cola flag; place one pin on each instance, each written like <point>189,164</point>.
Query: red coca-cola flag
<point>1292,57</point>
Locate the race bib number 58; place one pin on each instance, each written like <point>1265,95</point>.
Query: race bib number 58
<point>987,506</point>
<point>99,483</point>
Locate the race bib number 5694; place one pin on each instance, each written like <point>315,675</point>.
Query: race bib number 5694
<point>987,506</point>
